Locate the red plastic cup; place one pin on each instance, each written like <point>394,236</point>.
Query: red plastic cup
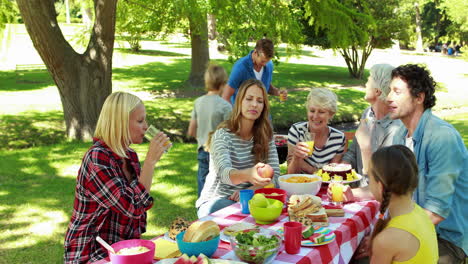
<point>292,237</point>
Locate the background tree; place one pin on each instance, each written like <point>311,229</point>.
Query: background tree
<point>353,28</point>
<point>237,23</point>
<point>7,12</point>
<point>244,21</point>
<point>83,80</point>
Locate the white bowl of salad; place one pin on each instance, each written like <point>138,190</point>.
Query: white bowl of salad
<point>256,246</point>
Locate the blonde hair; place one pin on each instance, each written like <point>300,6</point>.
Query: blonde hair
<point>113,123</point>
<point>262,129</point>
<point>382,76</point>
<point>215,77</point>
<point>323,98</point>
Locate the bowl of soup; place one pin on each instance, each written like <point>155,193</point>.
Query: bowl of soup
<point>300,183</point>
<point>132,251</point>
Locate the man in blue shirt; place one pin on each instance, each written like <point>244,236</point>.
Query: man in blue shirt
<point>441,155</point>
<point>256,65</point>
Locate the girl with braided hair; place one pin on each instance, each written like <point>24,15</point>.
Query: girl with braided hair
<point>406,235</point>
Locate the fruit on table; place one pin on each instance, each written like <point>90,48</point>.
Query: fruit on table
<point>308,232</point>
<point>201,259</point>
<point>259,200</point>
<point>265,171</point>
<point>317,238</point>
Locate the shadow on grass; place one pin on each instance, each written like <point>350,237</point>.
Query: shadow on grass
<point>171,77</point>
<point>31,129</point>
<point>27,81</point>
<point>151,52</point>
<point>37,197</point>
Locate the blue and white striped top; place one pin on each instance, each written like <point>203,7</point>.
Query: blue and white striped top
<point>228,152</point>
<point>334,145</point>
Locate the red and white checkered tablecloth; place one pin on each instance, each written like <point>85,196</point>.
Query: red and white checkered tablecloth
<point>349,230</point>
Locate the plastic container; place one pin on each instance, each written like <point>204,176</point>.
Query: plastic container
<point>208,248</point>
<point>300,188</point>
<point>142,258</point>
<point>281,195</point>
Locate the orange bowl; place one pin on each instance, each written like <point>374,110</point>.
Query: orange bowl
<point>274,193</point>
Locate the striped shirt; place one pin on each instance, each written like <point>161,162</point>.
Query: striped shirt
<point>229,152</point>
<point>334,145</point>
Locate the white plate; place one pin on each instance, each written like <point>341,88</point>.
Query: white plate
<point>213,261</point>
<point>346,182</point>
<point>329,237</point>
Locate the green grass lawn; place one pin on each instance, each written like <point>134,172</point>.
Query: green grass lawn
<point>39,166</point>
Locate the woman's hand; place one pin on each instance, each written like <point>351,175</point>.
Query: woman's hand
<point>300,151</point>
<point>157,146</point>
<point>348,195</point>
<point>255,179</point>
<point>234,196</point>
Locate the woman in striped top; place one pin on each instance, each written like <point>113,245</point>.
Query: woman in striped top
<point>329,142</point>
<point>239,145</point>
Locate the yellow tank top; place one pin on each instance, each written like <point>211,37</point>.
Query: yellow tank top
<point>419,225</point>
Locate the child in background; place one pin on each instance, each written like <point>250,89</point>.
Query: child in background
<point>407,235</point>
<point>208,112</point>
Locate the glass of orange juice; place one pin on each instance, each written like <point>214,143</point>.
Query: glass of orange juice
<point>309,140</point>
<point>282,95</point>
<point>337,186</point>
<point>151,132</point>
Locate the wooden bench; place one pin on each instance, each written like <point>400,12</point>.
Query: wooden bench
<point>21,69</point>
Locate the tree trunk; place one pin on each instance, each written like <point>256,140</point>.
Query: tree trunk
<point>83,80</point>
<point>419,41</point>
<point>356,65</point>
<point>67,8</point>
<point>200,51</point>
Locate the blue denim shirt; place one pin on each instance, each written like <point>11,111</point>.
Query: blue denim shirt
<point>443,175</point>
<point>243,70</point>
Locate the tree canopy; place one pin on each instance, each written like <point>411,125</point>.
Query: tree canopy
<point>353,28</point>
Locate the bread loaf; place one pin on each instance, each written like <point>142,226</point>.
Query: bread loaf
<point>201,231</point>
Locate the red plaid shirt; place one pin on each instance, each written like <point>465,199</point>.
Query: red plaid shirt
<point>106,204</point>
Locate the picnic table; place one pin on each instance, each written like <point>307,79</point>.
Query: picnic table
<point>349,231</point>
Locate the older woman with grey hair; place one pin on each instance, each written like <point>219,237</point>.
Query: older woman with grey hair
<point>377,128</point>
<point>328,143</point>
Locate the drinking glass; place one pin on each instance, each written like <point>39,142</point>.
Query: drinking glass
<point>282,96</point>
<point>292,237</point>
<point>151,132</point>
<point>244,198</point>
<point>337,190</point>
<point>309,140</point>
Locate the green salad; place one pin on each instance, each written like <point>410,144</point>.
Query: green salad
<point>255,247</point>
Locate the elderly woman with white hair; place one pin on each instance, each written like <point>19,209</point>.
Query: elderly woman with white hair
<point>329,142</point>
<point>377,128</point>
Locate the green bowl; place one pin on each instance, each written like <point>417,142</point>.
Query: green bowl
<point>268,215</point>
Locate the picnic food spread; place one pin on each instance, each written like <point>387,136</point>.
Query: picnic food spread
<point>179,225</point>
<point>201,231</point>
<point>132,250</point>
<point>233,229</point>
<point>299,179</point>
<point>165,249</point>
<point>337,169</point>
<point>201,259</point>
<point>307,209</point>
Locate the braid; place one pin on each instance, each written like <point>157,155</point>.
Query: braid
<point>382,223</point>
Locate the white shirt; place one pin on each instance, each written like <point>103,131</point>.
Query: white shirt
<point>259,74</point>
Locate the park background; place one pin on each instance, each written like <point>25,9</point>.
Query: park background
<point>39,164</point>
